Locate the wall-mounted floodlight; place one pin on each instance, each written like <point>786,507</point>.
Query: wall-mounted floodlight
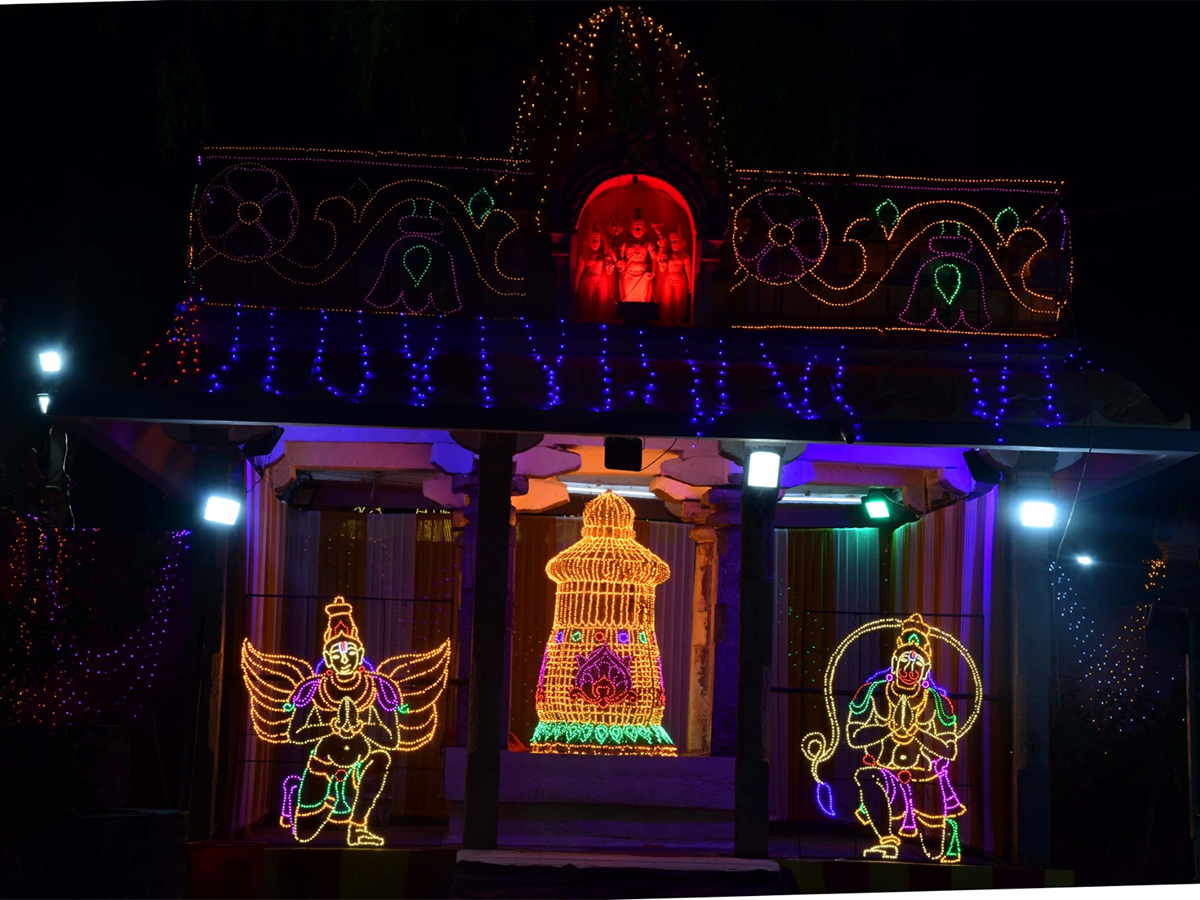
<point>877,505</point>
<point>44,402</point>
<point>1038,513</point>
<point>222,509</point>
<point>51,361</point>
<point>762,469</point>
<point>1084,560</point>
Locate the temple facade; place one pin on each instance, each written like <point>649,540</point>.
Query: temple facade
<point>434,380</point>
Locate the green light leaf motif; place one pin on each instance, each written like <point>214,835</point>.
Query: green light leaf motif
<point>1007,221</point>
<point>887,214</point>
<point>480,204</point>
<point>417,257</point>
<point>947,278</point>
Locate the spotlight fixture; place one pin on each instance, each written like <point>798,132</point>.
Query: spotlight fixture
<point>762,469</point>
<point>877,504</point>
<point>623,454</point>
<point>262,446</point>
<point>1084,560</point>
<point>51,361</point>
<point>1038,513</point>
<point>982,469</point>
<point>301,493</point>
<point>44,402</point>
<point>222,509</point>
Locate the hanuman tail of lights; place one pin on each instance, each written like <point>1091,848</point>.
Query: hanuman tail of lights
<point>907,731</point>
<point>351,715</point>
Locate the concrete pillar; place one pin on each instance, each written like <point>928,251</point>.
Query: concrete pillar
<point>756,613</point>
<point>704,590</point>
<point>726,519</point>
<point>210,550</point>
<point>486,725</point>
<point>1033,629</point>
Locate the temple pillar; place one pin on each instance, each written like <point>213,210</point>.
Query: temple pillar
<point>700,686</point>
<point>756,614</point>
<point>1033,628</point>
<point>210,550</point>
<point>486,725</point>
<point>726,519</point>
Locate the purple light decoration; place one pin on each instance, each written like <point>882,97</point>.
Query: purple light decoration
<point>933,316</point>
<point>291,786</point>
<point>233,350</point>
<point>552,393</point>
<point>722,395</point>
<point>787,400</point>
<point>1002,406</point>
<point>979,407</point>
<point>694,390</point>
<point>648,393</point>
<point>271,356</point>
<point>607,377</point>
<point>825,799</point>
<point>1051,412</point>
<point>366,372</point>
<point>388,698</point>
<point>424,386</point>
<point>603,678</point>
<point>485,367</point>
<point>839,390</point>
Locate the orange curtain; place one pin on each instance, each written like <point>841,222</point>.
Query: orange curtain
<point>435,562</point>
<point>533,617</point>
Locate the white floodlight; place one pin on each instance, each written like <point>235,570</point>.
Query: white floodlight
<point>221,509</point>
<point>1084,560</point>
<point>51,361</point>
<point>1038,513</point>
<point>762,469</point>
<point>44,402</point>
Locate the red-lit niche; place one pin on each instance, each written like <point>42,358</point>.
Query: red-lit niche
<point>635,242</point>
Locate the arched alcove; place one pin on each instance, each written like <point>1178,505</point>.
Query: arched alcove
<point>617,262</point>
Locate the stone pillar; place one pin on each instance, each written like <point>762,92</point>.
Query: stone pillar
<point>1033,627</point>
<point>704,589</point>
<point>726,519</point>
<point>467,525</point>
<point>756,614</point>
<point>486,726</point>
<point>210,551</point>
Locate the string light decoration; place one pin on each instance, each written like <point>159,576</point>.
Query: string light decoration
<point>574,96</point>
<point>1124,679</point>
<point>600,689</point>
<point>907,731</point>
<point>89,633</point>
<point>352,714</point>
<point>765,248</point>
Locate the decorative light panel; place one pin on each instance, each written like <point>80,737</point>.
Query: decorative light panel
<point>352,715</point>
<point>907,731</point>
<point>600,689</point>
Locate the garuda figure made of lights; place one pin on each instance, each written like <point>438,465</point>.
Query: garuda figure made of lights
<point>352,714</point>
<point>600,689</point>
<point>907,731</point>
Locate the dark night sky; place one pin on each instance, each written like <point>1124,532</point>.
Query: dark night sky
<point>105,106</point>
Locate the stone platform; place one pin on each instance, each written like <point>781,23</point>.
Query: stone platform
<point>568,801</point>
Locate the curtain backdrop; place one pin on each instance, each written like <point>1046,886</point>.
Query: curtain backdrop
<point>397,570</point>
<point>541,537</point>
<point>944,568</point>
<point>827,583</point>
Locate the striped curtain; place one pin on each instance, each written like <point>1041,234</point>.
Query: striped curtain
<point>827,583</point>
<point>401,570</point>
<point>261,618</point>
<point>944,568</point>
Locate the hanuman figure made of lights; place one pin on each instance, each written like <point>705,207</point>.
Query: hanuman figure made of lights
<point>600,690</point>
<point>906,729</point>
<point>352,714</point>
